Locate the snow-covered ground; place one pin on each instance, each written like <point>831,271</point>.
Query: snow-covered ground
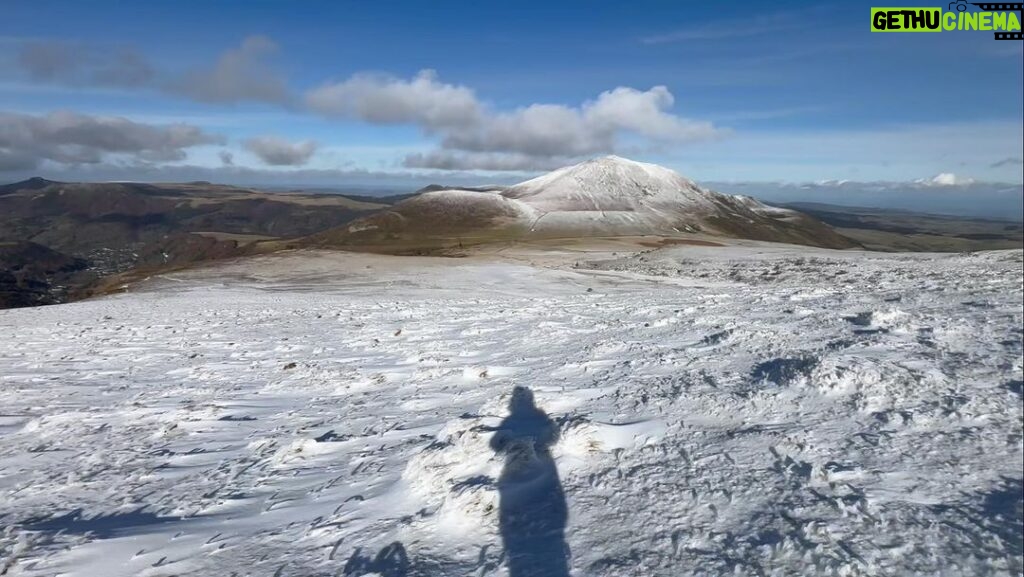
<point>695,411</point>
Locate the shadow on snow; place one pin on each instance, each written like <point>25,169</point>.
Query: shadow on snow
<point>533,511</point>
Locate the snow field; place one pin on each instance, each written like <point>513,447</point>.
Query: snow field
<point>735,411</point>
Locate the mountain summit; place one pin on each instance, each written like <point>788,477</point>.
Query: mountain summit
<point>604,197</point>
<point>611,183</point>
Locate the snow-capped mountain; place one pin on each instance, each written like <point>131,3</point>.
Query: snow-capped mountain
<point>603,197</point>
<point>612,183</point>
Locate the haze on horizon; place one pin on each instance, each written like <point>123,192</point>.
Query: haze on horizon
<point>397,96</point>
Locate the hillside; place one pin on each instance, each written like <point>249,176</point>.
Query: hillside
<point>605,197</point>
<point>87,216</point>
<point>32,274</point>
<point>116,227</point>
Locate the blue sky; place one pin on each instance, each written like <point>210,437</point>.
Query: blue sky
<point>336,91</point>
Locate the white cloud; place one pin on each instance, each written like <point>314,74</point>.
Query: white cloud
<point>473,136</point>
<point>645,113</point>
<point>543,132</point>
<point>469,132</point>
<point>536,130</point>
<point>381,99</point>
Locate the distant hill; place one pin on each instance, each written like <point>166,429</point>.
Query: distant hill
<point>34,183</point>
<point>388,200</point>
<point>81,217</point>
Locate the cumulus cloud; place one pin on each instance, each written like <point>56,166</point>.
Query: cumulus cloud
<point>470,133</point>
<point>71,138</point>
<point>945,179</point>
<point>645,113</point>
<point>533,137</point>
<point>84,65</point>
<point>536,130</point>
<point>244,73</point>
<point>382,99</point>
<point>280,152</point>
<point>544,130</point>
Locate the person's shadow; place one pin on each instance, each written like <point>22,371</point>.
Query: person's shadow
<point>391,561</point>
<point>533,512</point>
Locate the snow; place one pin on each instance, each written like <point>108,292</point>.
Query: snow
<point>742,410</point>
<point>491,199</point>
<point>611,183</point>
<point>617,196</point>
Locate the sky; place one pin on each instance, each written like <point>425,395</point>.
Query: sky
<point>397,92</point>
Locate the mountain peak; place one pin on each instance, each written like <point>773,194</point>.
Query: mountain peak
<point>34,183</point>
<point>614,160</point>
<point>609,183</point>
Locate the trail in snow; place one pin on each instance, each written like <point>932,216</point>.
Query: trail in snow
<point>762,412</point>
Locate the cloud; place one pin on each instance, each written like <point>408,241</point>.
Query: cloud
<point>80,64</point>
<point>226,158</point>
<point>473,136</point>
<point>239,74</point>
<point>536,130</point>
<point>469,132</point>
<point>243,73</point>
<point>381,99</point>
<point>1008,161</point>
<point>945,179</point>
<point>542,131</point>
<point>511,162</point>
<point>72,138</point>
<point>280,152</point>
